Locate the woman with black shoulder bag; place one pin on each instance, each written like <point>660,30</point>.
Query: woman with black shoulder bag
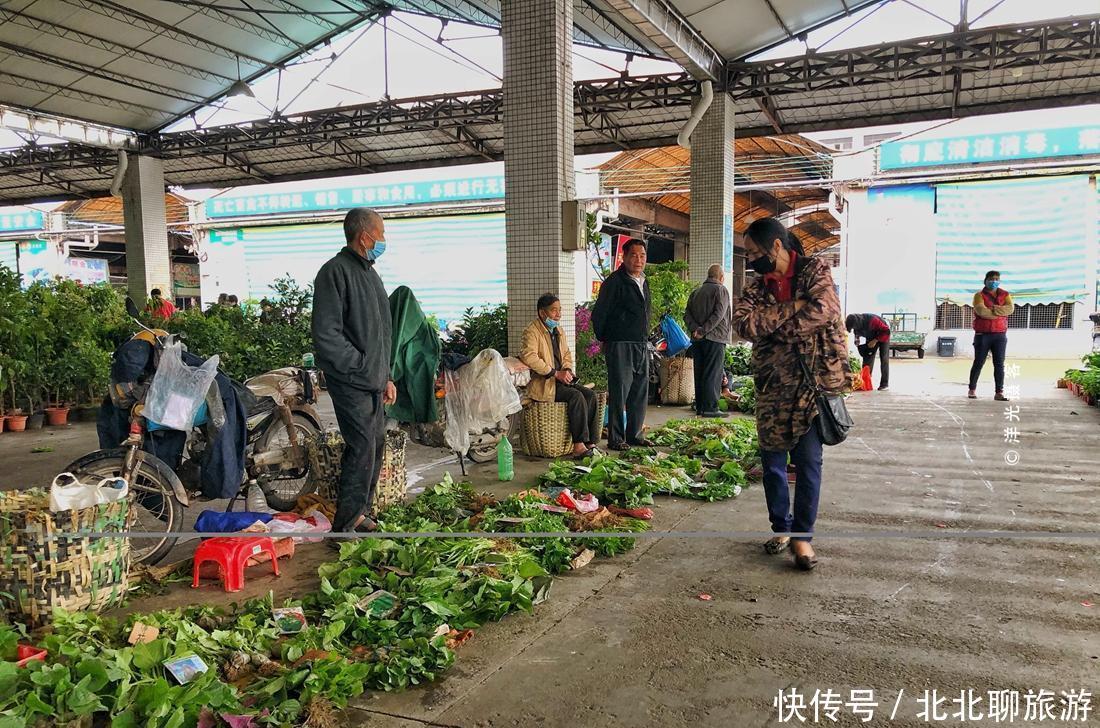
<point>791,314</point>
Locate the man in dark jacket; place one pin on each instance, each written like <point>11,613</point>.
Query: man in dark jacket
<point>708,321</point>
<point>620,320</point>
<point>351,340</point>
<point>875,333</point>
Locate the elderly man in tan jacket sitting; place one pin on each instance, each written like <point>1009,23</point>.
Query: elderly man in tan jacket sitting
<point>546,352</point>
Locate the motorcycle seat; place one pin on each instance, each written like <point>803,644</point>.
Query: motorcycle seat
<point>253,405</point>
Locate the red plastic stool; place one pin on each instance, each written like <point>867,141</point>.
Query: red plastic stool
<point>232,555</point>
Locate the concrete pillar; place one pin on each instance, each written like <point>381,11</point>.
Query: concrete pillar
<point>538,157</point>
<point>712,193</point>
<point>148,263</point>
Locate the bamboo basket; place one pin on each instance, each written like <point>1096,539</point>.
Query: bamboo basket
<point>677,380</point>
<point>46,563</point>
<point>546,430</point>
<point>326,451</point>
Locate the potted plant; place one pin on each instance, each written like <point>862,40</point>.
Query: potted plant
<point>13,347</point>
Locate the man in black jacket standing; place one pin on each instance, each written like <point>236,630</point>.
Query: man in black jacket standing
<point>620,320</point>
<point>351,340</point>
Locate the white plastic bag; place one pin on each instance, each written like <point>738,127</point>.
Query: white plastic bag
<point>178,390</point>
<point>317,523</point>
<point>479,396</point>
<point>68,493</point>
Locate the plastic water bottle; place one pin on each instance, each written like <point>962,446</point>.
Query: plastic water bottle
<point>504,460</point>
<point>255,500</point>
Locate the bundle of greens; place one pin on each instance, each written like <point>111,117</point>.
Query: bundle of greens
<point>713,440</point>
<point>612,481</point>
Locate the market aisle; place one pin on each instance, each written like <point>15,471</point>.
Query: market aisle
<point>628,642</point>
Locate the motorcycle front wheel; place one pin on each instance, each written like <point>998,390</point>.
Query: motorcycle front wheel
<point>153,505</point>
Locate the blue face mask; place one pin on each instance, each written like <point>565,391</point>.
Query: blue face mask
<point>993,285</point>
<point>376,252</point>
<point>551,324</point>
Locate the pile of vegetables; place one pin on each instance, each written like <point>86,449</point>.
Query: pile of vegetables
<point>746,397</point>
<point>443,588</point>
<point>739,359</point>
<point>709,464</point>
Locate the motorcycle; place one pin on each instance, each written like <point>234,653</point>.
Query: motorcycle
<point>280,418</point>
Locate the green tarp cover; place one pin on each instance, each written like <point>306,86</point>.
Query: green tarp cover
<point>415,359</point>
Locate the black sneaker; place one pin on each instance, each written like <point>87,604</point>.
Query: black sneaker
<point>715,415</point>
<point>619,446</point>
<point>883,388</point>
<point>642,442</point>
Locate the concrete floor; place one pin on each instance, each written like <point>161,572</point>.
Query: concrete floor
<point>919,606</point>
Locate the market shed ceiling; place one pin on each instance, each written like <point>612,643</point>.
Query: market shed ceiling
<point>147,62</point>
<point>142,64</point>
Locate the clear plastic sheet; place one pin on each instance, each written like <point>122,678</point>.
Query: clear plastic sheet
<point>479,396</point>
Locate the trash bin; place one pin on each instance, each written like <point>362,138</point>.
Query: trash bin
<point>945,346</point>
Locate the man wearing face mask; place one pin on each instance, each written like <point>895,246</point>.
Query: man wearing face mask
<point>992,307</point>
<point>351,340</point>
<point>547,353</point>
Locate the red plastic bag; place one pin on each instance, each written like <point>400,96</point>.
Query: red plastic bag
<point>865,375</point>
<point>587,504</point>
<point>644,514</point>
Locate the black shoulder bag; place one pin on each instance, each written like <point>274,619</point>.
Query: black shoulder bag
<point>833,420</point>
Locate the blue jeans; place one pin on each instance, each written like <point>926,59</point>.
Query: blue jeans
<point>806,458</point>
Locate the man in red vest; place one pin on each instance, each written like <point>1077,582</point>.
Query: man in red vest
<point>992,307</point>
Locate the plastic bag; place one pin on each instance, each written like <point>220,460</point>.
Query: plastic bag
<point>317,523</point>
<point>231,522</point>
<point>480,395</point>
<point>675,338</point>
<point>178,390</point>
<point>587,504</point>
<point>68,493</point>
<point>865,379</point>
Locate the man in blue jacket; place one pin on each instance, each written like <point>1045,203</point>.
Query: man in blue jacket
<point>620,320</point>
<point>351,341</point>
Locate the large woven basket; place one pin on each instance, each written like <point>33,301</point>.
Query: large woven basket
<point>546,430</point>
<point>326,451</point>
<point>45,562</point>
<point>677,380</point>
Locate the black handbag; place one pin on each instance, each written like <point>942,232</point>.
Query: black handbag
<point>833,420</point>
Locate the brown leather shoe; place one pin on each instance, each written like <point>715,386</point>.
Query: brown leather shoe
<point>999,396</point>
